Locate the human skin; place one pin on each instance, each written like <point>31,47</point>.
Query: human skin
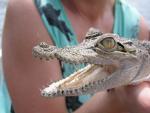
<point>26,75</point>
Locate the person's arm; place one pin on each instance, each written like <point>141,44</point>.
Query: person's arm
<point>25,75</point>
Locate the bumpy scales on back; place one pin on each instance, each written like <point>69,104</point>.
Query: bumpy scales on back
<point>112,62</point>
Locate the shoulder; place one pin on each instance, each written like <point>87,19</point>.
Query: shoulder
<point>23,26</point>
<point>23,17</point>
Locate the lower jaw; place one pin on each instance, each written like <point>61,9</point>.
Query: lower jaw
<point>84,81</point>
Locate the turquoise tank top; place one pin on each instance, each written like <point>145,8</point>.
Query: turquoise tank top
<point>126,24</point>
<point>53,15</point>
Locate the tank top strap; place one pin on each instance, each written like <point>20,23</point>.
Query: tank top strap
<point>55,20</point>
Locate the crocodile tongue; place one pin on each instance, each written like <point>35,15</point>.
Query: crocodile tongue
<point>84,81</point>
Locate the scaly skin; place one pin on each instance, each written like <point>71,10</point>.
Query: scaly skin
<point>130,59</point>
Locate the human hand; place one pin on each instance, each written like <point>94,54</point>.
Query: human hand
<point>133,98</point>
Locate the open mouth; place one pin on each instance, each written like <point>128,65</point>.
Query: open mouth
<point>84,81</point>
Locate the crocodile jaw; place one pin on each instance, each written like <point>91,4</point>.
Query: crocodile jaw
<point>84,81</point>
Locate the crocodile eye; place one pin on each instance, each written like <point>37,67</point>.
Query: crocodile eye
<point>108,43</point>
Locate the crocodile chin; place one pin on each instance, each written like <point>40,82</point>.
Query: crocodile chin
<point>84,81</point>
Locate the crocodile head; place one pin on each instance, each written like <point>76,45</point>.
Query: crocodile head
<point>99,51</point>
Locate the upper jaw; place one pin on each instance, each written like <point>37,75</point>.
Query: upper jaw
<point>83,53</point>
